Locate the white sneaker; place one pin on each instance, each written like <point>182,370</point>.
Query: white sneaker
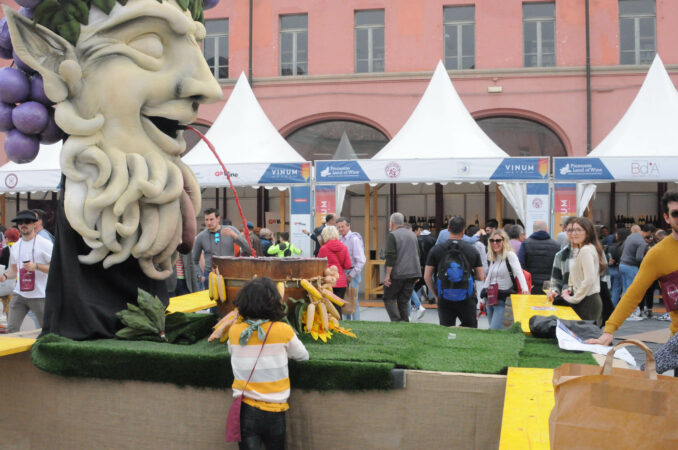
<point>635,316</point>
<point>420,312</point>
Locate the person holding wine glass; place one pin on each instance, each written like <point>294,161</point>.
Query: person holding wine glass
<point>587,263</point>
<point>498,285</point>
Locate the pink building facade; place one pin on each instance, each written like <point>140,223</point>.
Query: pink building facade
<point>414,41</point>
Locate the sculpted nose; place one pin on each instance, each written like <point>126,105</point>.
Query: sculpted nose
<point>201,86</point>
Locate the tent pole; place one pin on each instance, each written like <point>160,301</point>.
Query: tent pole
<point>260,205</point>
<point>224,200</point>
<point>439,207</point>
<point>216,202</point>
<point>3,209</point>
<point>613,206</point>
<point>366,237</point>
<point>375,220</point>
<point>393,198</point>
<point>487,202</point>
<point>500,207</point>
<point>18,202</point>
<point>283,205</point>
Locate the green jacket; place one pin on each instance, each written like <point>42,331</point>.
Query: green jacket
<point>283,249</point>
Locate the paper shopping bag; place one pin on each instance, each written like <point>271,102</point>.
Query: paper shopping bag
<point>613,408</point>
<point>351,300</point>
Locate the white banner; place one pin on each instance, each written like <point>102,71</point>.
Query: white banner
<point>537,206</point>
<point>299,222</point>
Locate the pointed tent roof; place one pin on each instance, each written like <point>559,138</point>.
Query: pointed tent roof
<point>344,149</point>
<point>43,174</point>
<point>648,127</point>
<point>440,127</point>
<point>242,133</point>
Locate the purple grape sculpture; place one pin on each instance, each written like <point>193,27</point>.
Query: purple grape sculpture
<point>30,117</point>
<point>21,148</point>
<point>14,85</point>
<point>6,117</point>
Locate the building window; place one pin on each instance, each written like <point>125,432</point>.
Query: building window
<point>215,47</point>
<point>539,34</point>
<point>320,140</point>
<point>637,31</point>
<point>460,41</point>
<point>294,44</point>
<point>369,41</point>
<point>522,137</point>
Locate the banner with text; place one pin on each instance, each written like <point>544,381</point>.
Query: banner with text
<point>212,175</point>
<point>431,170</point>
<point>537,205</point>
<point>300,218</point>
<point>564,204</point>
<point>325,203</point>
<point>616,169</point>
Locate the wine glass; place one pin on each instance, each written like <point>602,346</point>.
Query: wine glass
<point>546,287</point>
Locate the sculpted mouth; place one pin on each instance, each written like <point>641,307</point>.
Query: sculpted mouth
<point>168,126</point>
<point>164,124</point>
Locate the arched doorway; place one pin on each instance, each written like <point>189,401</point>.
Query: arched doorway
<point>522,137</point>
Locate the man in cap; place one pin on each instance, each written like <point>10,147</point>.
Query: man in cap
<point>29,260</point>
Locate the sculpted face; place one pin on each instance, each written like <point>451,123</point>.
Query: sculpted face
<point>124,93</point>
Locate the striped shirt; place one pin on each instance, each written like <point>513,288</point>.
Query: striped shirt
<point>269,387</point>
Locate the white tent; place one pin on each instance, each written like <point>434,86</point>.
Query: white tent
<point>248,144</point>
<point>43,174</point>
<point>344,151</point>
<point>440,127</point>
<point>648,129</point>
<point>649,126</point>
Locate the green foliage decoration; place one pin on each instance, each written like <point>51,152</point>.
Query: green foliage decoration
<point>65,17</point>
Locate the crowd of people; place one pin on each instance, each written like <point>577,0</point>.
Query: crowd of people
<point>464,269</point>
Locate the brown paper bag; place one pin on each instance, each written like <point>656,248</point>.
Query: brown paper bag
<point>601,408</point>
<point>351,299</point>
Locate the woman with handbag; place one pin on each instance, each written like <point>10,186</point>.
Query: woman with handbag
<point>263,393</point>
<point>587,263</point>
<point>499,282</point>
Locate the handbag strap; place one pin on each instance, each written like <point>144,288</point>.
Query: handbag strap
<point>257,360</point>
<point>513,277</point>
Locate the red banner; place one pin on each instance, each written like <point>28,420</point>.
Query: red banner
<point>564,202</point>
<point>325,203</point>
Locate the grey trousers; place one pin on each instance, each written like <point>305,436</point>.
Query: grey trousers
<point>19,307</point>
<point>397,299</point>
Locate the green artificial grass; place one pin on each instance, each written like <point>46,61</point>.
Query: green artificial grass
<point>343,363</point>
<point>545,353</point>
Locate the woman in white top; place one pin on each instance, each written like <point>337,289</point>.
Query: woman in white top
<point>586,265</point>
<point>498,279</point>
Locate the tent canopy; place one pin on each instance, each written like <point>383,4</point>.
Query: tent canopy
<point>43,174</point>
<point>248,144</point>
<point>648,128</point>
<point>440,127</point>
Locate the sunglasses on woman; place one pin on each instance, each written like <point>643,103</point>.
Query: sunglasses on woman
<point>496,240</point>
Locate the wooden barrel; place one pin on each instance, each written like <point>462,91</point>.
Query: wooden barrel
<point>239,270</point>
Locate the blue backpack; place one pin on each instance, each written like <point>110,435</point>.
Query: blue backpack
<point>454,278</point>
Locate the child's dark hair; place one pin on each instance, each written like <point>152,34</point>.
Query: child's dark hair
<point>260,299</point>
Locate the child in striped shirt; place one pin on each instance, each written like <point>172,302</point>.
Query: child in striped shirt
<point>262,417</point>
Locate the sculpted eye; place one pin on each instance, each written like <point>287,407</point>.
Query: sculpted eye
<point>149,43</point>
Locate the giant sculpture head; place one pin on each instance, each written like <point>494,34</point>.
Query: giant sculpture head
<point>125,88</point>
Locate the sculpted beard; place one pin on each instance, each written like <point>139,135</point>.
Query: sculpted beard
<point>124,204</point>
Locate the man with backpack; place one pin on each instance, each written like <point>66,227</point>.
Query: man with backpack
<point>456,264</point>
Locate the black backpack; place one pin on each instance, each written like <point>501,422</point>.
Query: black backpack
<point>454,278</point>
<point>285,249</point>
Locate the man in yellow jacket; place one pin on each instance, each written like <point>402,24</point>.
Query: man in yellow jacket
<point>660,261</point>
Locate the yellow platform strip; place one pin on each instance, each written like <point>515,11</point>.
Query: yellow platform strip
<point>527,404</point>
<point>11,345</point>
<point>526,306</point>
<point>193,302</point>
